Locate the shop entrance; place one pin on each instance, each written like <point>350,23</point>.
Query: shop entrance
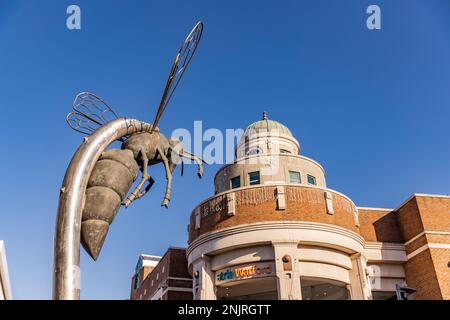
<point>323,289</point>
<point>249,289</point>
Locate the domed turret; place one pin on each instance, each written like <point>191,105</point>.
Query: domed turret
<point>266,137</point>
<point>266,125</point>
<point>268,154</point>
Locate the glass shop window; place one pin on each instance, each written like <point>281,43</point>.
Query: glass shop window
<point>235,182</point>
<point>311,180</point>
<point>321,289</point>
<point>294,177</point>
<point>253,178</point>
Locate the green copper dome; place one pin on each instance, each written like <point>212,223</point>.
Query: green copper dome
<point>266,125</point>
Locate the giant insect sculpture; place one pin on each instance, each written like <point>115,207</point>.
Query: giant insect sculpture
<point>116,169</point>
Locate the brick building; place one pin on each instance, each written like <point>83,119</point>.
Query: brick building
<point>162,278</point>
<point>274,230</point>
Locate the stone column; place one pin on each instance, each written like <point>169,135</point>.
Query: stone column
<point>359,281</point>
<point>203,279</point>
<point>287,270</point>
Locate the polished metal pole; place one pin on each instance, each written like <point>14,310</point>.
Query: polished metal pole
<point>66,259</point>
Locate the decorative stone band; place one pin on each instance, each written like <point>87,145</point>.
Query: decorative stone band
<point>273,202</point>
<point>385,246</point>
<point>428,246</point>
<point>385,252</point>
<point>266,232</point>
<point>426,233</point>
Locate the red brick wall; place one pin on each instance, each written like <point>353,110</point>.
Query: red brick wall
<point>178,264</point>
<point>420,275</point>
<point>441,262</point>
<point>379,226</point>
<point>416,244</point>
<point>435,213</point>
<point>429,270</point>
<point>302,204</point>
<point>409,219</point>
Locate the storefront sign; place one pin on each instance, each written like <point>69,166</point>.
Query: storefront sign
<point>247,271</point>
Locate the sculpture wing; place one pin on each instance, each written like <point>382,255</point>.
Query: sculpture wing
<point>90,113</point>
<point>179,66</point>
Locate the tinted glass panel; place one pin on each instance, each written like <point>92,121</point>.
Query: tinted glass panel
<point>311,180</point>
<point>294,177</point>
<point>253,178</point>
<point>324,290</point>
<point>235,182</point>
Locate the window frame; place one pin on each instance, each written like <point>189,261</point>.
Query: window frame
<point>231,182</point>
<point>308,176</point>
<point>250,180</point>
<point>299,176</point>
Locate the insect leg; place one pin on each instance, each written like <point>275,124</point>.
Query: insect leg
<point>149,185</point>
<point>196,159</point>
<point>165,161</point>
<point>145,177</point>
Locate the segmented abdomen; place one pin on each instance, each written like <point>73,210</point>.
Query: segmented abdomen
<point>108,185</point>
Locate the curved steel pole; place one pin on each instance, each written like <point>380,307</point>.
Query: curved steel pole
<point>66,259</point>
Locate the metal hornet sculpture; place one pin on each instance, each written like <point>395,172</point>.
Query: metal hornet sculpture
<point>98,180</point>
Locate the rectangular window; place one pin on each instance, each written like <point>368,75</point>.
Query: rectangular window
<point>253,178</point>
<point>311,180</point>
<point>235,182</point>
<point>294,177</point>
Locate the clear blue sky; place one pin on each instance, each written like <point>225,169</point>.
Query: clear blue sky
<point>373,107</point>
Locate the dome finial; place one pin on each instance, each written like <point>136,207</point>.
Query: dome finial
<point>264,115</point>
